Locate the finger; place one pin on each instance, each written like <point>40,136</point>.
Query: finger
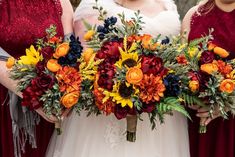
<point>203,121</point>
<point>194,107</point>
<point>53,118</point>
<point>67,112</point>
<point>203,115</point>
<point>203,109</point>
<point>211,118</point>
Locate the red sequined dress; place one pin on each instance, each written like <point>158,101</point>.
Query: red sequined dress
<point>21,23</point>
<point>219,141</point>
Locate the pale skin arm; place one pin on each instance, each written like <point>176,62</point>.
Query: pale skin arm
<point>67,22</point>
<point>202,112</point>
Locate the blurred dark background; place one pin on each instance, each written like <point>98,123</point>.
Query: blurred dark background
<point>183,5</point>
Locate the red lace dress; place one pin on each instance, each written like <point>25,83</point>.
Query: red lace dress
<point>219,141</point>
<point>21,22</point>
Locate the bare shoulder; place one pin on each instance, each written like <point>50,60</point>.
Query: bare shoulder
<point>187,19</point>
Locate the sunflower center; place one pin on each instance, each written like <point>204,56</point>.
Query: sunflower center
<point>129,63</point>
<point>125,91</point>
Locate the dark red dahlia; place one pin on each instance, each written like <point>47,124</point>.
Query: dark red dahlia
<point>153,65</point>
<point>47,52</point>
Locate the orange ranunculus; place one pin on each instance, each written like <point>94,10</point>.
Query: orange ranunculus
<point>211,46</point>
<point>147,42</point>
<point>221,52</point>
<point>194,86</point>
<point>10,62</point>
<point>209,68</point>
<point>53,65</point>
<point>134,75</point>
<point>61,50</point>
<point>89,34</point>
<point>87,54</point>
<point>70,99</point>
<point>227,86</point>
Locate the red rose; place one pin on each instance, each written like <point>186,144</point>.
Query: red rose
<point>43,82</point>
<point>120,112</point>
<point>47,52</point>
<point>148,107</point>
<point>40,67</point>
<point>31,97</point>
<point>207,57</point>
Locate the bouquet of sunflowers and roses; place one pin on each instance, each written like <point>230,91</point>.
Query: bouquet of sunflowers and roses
<point>126,73</point>
<point>48,74</point>
<point>210,79</point>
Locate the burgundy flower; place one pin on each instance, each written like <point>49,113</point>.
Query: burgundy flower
<point>40,67</point>
<point>120,112</point>
<point>107,73</point>
<point>43,82</point>
<point>47,52</point>
<point>201,77</point>
<point>153,65</point>
<point>148,107</point>
<point>31,97</point>
<point>207,57</point>
<point>110,51</point>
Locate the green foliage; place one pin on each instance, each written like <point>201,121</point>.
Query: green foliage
<point>137,103</point>
<point>190,100</point>
<point>170,104</point>
<point>87,101</point>
<point>51,102</point>
<point>100,9</point>
<point>23,74</point>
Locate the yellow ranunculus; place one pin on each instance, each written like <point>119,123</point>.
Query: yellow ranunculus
<point>209,68</point>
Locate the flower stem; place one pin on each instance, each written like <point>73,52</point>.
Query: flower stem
<point>131,128</point>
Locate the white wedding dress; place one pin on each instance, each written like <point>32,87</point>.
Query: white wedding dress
<point>104,136</point>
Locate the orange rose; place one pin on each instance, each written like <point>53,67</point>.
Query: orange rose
<point>134,75</point>
<point>70,99</point>
<point>211,46</point>
<point>227,86</point>
<point>194,86</point>
<point>89,34</point>
<point>209,68</point>
<point>53,65</point>
<point>221,52</point>
<point>61,50</point>
<point>10,62</point>
<point>87,54</point>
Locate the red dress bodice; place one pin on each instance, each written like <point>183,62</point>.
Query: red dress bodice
<point>23,21</point>
<point>223,24</point>
<point>219,141</point>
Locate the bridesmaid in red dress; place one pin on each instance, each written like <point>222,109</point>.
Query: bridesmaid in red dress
<point>219,141</point>
<point>21,23</point>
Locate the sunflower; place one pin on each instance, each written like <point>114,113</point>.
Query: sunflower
<point>122,94</point>
<point>129,57</point>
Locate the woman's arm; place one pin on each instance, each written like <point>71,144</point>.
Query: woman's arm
<point>67,16</point>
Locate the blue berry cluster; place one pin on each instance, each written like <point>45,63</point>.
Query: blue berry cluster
<point>165,41</point>
<point>74,53</point>
<point>172,83</point>
<point>107,27</point>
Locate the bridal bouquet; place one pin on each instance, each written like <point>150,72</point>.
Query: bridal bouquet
<point>210,79</point>
<point>48,74</point>
<point>125,73</point>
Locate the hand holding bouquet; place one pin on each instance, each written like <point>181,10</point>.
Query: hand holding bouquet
<point>47,75</point>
